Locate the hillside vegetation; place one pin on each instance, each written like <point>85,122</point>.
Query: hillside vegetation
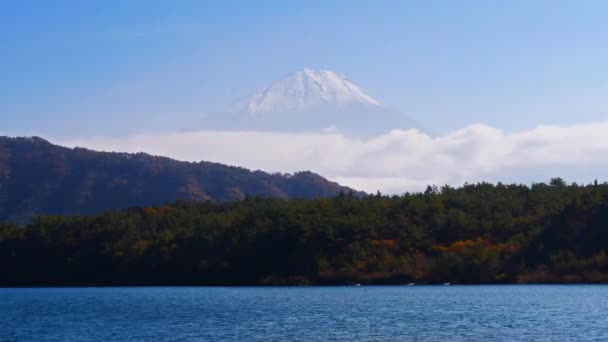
<point>37,177</point>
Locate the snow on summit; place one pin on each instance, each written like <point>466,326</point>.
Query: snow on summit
<point>305,90</point>
<point>310,101</point>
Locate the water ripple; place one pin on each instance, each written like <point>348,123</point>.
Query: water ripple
<point>399,313</point>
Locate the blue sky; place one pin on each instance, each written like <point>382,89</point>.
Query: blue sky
<point>74,68</point>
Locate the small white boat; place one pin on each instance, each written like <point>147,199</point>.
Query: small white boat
<point>446,284</point>
<point>358,284</point>
<point>410,284</point>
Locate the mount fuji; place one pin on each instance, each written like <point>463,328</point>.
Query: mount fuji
<point>311,101</point>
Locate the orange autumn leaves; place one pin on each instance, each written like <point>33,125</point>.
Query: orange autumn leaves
<point>479,248</point>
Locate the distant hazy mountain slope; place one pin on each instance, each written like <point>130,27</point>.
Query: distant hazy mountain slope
<point>310,100</point>
<point>39,177</point>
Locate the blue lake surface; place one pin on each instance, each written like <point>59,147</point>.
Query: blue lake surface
<point>366,313</point>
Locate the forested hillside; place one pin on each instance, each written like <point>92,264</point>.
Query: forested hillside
<point>475,234</point>
<point>37,177</point>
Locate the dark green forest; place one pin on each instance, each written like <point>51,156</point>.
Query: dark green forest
<point>480,233</point>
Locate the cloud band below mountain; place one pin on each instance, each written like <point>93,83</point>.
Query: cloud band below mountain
<point>394,162</point>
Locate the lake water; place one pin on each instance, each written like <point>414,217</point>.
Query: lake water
<point>366,313</point>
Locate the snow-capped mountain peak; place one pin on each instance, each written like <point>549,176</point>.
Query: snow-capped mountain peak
<point>310,101</point>
<point>305,90</point>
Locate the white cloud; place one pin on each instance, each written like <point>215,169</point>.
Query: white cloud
<point>394,162</point>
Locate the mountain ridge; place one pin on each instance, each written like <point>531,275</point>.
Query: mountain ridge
<point>38,177</point>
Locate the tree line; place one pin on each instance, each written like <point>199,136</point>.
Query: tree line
<point>477,233</point>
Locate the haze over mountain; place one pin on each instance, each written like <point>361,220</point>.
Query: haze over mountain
<point>310,100</point>
<point>37,177</point>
